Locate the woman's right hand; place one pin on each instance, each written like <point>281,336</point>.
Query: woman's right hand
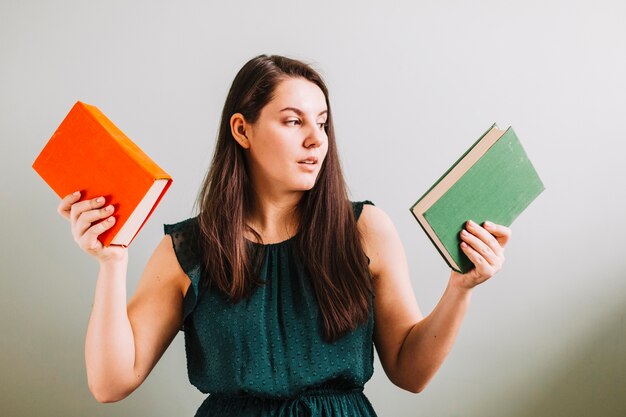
<point>89,219</point>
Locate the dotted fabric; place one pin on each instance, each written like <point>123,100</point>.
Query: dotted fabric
<point>265,356</point>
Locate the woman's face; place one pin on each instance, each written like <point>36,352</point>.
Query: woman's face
<point>288,142</point>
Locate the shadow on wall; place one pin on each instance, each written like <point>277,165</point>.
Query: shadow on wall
<point>592,385</point>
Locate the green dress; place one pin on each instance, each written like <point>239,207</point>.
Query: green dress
<point>265,356</point>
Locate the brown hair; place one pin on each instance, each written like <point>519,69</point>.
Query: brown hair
<point>328,242</point>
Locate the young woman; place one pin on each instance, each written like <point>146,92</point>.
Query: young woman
<point>278,279</point>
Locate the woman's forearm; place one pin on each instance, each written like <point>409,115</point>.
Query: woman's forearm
<point>431,339</point>
<point>109,345</point>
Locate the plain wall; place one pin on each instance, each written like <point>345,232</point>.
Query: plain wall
<point>412,85</point>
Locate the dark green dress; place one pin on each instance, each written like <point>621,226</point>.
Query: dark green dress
<point>265,356</point>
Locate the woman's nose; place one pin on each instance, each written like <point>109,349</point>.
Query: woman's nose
<point>315,137</point>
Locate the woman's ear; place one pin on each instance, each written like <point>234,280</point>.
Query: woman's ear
<point>238,128</point>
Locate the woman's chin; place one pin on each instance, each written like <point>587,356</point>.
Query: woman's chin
<point>305,183</point>
<point>304,186</point>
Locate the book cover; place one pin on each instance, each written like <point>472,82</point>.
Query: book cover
<point>88,153</point>
<point>493,180</point>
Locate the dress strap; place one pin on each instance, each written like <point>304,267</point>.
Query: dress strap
<point>357,206</point>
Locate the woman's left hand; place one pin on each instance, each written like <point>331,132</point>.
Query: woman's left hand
<point>484,246</point>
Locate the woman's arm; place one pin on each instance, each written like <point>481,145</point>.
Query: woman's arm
<point>124,342</point>
<point>411,348</point>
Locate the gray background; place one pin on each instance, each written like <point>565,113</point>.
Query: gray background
<point>412,85</point>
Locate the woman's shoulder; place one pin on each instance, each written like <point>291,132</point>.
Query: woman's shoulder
<point>189,225</point>
<point>357,207</point>
<point>380,237</point>
<point>372,221</point>
<point>367,212</point>
<point>185,237</point>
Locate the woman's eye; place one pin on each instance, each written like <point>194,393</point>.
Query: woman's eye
<point>323,125</point>
<point>293,122</point>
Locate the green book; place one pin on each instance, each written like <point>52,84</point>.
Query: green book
<point>494,180</point>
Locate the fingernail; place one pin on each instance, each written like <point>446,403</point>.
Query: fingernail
<point>76,194</point>
<point>109,208</point>
<point>99,200</point>
<point>471,223</point>
<point>488,224</point>
<point>111,219</point>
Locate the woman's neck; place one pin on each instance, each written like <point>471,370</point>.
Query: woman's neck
<point>274,218</point>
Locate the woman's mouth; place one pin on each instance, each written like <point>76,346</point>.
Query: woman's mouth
<point>312,160</point>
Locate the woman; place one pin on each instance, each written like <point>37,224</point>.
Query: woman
<point>277,281</point>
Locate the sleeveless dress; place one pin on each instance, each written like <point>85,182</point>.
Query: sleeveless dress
<point>265,356</point>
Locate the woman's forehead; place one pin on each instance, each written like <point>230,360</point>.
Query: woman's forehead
<point>298,93</point>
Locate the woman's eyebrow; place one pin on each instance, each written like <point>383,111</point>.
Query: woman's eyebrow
<point>300,112</point>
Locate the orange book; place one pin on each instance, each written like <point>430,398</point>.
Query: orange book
<point>88,153</point>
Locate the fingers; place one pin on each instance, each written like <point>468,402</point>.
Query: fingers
<point>88,219</point>
<point>501,233</point>
<point>485,242</point>
<point>66,204</point>
<point>71,208</point>
<point>483,248</point>
<point>83,220</point>
<point>480,252</point>
<point>77,209</point>
<point>89,240</point>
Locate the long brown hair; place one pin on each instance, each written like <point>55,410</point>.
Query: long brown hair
<point>328,242</point>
